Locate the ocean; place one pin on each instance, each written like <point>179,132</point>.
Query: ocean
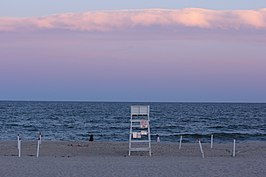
<point>110,121</point>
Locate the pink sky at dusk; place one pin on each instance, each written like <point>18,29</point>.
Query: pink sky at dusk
<point>124,19</point>
<point>135,55</point>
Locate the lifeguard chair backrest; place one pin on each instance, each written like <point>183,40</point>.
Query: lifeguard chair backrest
<point>140,110</point>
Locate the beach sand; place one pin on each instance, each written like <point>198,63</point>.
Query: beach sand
<point>107,159</point>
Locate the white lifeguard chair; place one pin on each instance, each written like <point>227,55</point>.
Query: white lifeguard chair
<point>139,134</point>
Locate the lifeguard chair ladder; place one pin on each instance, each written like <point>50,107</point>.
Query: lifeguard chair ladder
<point>140,135</point>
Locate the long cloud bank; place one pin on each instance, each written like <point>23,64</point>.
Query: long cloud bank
<point>126,19</point>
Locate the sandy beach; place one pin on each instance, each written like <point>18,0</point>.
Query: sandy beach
<point>72,159</point>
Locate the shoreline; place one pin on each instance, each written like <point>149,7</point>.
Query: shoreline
<point>87,148</point>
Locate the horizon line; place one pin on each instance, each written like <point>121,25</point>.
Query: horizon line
<point>132,101</point>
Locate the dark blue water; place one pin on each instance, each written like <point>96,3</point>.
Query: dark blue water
<point>110,121</point>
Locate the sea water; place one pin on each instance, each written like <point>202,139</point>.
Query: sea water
<point>110,121</point>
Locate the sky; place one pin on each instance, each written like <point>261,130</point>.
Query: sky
<point>149,50</point>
